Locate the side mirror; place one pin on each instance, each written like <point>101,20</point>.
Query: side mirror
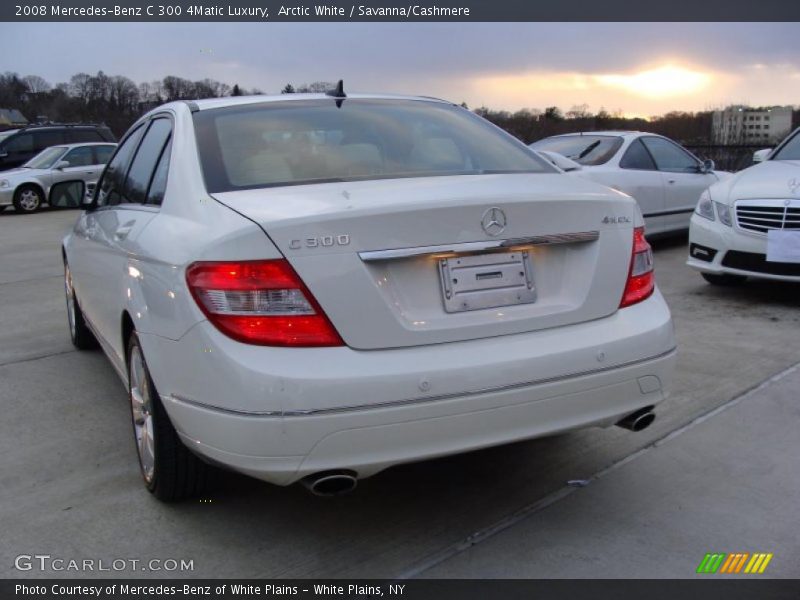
<point>68,194</point>
<point>761,155</point>
<point>61,165</point>
<point>708,166</point>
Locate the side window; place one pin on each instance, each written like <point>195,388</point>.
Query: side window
<point>155,195</point>
<point>144,163</point>
<point>669,156</point>
<point>80,136</point>
<point>637,157</point>
<point>20,143</point>
<point>102,154</point>
<point>46,138</point>
<point>79,157</point>
<point>110,186</point>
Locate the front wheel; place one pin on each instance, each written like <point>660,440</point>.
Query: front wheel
<point>724,279</point>
<point>28,199</point>
<point>169,470</point>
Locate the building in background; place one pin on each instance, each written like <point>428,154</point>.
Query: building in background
<point>742,125</point>
<point>11,117</point>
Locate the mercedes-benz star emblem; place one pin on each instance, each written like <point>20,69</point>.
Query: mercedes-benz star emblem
<point>494,221</point>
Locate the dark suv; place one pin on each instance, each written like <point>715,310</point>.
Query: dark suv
<point>18,146</point>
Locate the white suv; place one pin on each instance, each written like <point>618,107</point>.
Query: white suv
<point>317,287</point>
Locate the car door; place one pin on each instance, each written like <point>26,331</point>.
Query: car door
<point>109,233</point>
<point>639,177</point>
<point>684,180</point>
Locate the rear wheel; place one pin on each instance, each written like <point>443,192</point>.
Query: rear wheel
<point>28,199</point>
<point>82,336</point>
<point>724,279</point>
<point>170,471</point>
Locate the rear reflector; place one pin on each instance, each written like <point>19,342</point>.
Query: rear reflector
<point>260,302</point>
<point>641,279</point>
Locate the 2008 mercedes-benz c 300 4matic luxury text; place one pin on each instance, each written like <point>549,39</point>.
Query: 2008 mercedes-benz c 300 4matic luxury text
<point>317,287</point>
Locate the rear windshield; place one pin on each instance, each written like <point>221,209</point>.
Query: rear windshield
<point>314,141</point>
<point>790,150</point>
<point>587,150</point>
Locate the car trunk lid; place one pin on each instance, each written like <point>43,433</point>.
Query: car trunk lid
<point>518,253</point>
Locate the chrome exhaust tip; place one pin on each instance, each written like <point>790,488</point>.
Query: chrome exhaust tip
<point>330,483</point>
<point>639,420</point>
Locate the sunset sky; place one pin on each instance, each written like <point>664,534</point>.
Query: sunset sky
<point>640,69</point>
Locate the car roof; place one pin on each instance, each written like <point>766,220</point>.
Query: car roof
<point>210,103</point>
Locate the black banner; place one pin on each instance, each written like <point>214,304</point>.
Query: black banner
<point>740,588</point>
<point>401,10</point>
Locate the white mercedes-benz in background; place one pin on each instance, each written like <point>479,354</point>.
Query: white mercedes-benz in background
<point>749,225</point>
<point>663,176</point>
<point>317,287</point>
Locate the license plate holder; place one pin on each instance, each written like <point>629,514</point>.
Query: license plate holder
<point>490,280</point>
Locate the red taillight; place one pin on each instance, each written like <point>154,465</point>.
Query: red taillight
<point>260,302</point>
<point>641,280</point>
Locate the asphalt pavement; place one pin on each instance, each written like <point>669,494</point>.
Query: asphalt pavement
<point>716,472</point>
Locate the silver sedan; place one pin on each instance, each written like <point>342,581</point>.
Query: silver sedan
<point>27,186</point>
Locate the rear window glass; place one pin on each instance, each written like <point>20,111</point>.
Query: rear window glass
<point>314,141</point>
<point>587,150</point>
<point>83,135</point>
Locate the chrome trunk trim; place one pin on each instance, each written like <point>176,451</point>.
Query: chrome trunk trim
<point>488,245</point>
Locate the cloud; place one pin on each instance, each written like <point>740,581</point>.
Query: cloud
<point>505,65</point>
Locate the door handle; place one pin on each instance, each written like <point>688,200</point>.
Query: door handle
<point>122,232</point>
<point>670,181</point>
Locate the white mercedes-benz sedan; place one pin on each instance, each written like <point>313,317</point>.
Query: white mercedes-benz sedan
<point>663,176</point>
<point>749,225</point>
<point>317,287</point>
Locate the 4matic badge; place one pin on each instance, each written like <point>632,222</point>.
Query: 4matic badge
<point>612,220</point>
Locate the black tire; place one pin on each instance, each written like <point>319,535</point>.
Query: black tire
<point>724,279</point>
<point>79,332</point>
<point>177,474</point>
<point>28,199</point>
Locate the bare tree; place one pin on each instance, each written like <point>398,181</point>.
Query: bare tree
<point>36,84</point>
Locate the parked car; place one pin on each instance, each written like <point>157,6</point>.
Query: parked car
<point>749,225</point>
<point>27,187</point>
<point>314,288</point>
<point>18,146</point>
<point>664,177</point>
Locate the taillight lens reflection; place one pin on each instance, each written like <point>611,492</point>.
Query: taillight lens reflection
<point>641,279</point>
<point>260,302</point>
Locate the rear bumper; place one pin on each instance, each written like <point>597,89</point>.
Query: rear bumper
<point>733,253</point>
<point>366,411</point>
